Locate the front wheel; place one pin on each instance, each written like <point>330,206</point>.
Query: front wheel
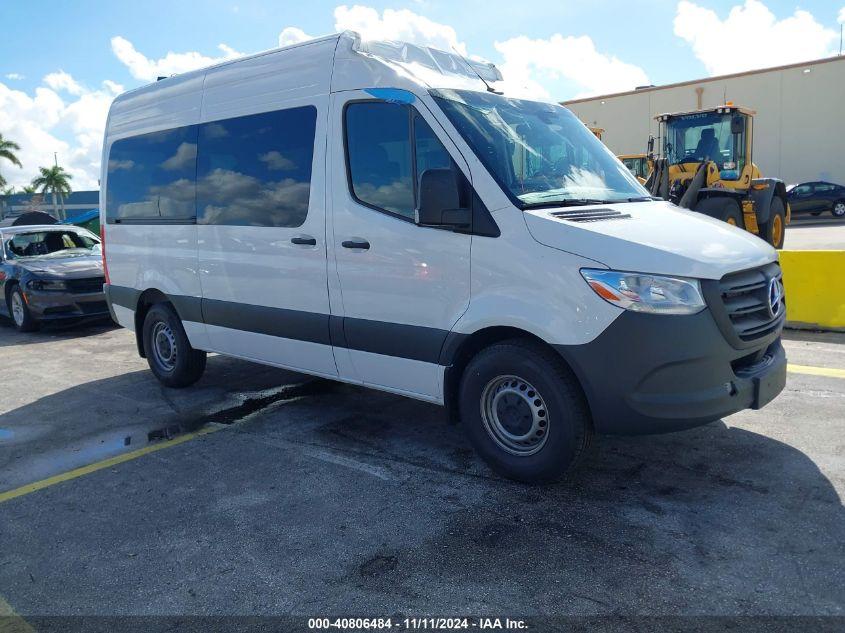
<point>169,354</point>
<point>838,209</point>
<point>774,231</point>
<point>19,311</point>
<point>524,412</point>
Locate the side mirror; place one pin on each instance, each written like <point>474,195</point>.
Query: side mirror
<point>440,200</point>
<point>651,145</point>
<point>737,125</point>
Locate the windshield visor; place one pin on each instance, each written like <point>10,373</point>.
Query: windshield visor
<point>539,153</point>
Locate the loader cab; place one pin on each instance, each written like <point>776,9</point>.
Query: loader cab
<point>721,135</point>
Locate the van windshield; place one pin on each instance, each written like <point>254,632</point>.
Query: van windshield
<point>539,153</point>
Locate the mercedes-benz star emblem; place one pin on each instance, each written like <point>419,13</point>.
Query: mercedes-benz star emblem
<point>775,296</point>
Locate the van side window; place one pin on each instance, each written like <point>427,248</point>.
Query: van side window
<point>256,170</point>
<point>389,147</point>
<point>151,176</point>
<point>378,141</point>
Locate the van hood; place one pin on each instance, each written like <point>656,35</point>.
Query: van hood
<point>651,237</point>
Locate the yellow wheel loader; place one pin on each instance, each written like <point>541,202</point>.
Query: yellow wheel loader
<point>705,165</point>
<point>598,131</point>
<point>641,165</point>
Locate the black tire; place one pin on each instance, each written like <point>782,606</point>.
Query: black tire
<point>170,356</point>
<point>19,311</point>
<point>733,216</point>
<point>769,231</point>
<point>838,209</point>
<point>527,373</point>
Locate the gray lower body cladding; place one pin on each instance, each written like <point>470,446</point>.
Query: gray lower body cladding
<point>653,373</point>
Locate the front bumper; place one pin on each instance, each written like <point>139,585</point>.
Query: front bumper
<point>57,305</point>
<point>654,373</point>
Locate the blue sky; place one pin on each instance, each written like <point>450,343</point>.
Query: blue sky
<point>552,49</point>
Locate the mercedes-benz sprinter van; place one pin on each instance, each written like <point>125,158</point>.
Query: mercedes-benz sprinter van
<point>379,213</point>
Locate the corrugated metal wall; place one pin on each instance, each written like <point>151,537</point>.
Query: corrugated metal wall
<point>799,128</point>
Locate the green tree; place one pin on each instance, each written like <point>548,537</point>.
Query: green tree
<point>56,181</point>
<point>7,151</point>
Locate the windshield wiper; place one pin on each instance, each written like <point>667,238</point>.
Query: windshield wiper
<point>568,202</point>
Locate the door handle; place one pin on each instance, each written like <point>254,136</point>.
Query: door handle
<point>304,240</point>
<point>362,244</point>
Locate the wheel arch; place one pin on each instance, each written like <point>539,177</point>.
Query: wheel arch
<point>762,196</point>
<point>146,300</point>
<point>459,349</point>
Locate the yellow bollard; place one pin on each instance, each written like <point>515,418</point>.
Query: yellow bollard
<point>815,289</point>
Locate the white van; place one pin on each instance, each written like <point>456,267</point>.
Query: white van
<point>378,213</point>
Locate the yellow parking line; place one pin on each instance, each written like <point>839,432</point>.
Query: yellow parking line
<point>11,622</point>
<point>106,463</point>
<point>816,371</point>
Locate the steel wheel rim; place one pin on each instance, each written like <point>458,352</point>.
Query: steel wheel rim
<point>515,415</point>
<point>17,308</point>
<point>777,229</point>
<point>839,209</point>
<point>164,346</point>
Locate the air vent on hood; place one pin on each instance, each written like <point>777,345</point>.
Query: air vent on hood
<point>590,215</point>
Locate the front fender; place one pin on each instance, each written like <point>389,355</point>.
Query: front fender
<point>762,196</point>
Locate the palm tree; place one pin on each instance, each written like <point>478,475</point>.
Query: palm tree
<point>7,151</point>
<point>56,181</point>
<point>27,189</point>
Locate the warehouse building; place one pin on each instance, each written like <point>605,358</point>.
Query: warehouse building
<point>799,129</point>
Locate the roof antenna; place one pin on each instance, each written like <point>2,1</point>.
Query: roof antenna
<point>477,74</point>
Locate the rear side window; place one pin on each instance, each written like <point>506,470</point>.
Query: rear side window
<point>151,176</point>
<point>389,147</point>
<point>256,170</point>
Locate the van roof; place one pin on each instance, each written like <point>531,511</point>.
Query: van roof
<point>425,64</point>
<point>283,77</point>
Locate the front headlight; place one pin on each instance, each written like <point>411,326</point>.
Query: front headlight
<point>47,284</point>
<point>646,293</point>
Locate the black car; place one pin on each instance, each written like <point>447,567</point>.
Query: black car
<point>50,273</point>
<point>816,198</point>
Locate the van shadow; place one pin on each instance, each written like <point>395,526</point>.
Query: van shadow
<point>103,418</point>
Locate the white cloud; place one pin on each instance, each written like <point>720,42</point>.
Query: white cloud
<point>141,67</point>
<point>62,81</point>
<point>44,123</point>
<point>15,76</point>
<point>292,35</point>
<point>529,63</point>
<point>841,18</point>
<point>402,24</point>
<point>751,36</point>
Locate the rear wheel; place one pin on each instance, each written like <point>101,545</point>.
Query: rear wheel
<point>19,311</point>
<point>774,231</point>
<point>170,356</point>
<point>838,209</point>
<point>524,411</point>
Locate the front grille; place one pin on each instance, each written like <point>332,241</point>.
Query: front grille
<point>85,286</point>
<point>745,296</point>
<point>590,215</point>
